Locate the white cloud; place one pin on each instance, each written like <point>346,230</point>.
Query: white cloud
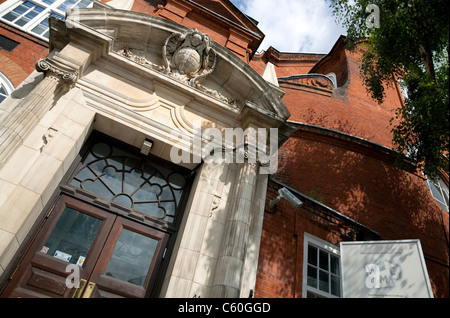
<point>305,26</point>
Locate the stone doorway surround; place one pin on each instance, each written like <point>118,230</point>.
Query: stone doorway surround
<point>133,76</point>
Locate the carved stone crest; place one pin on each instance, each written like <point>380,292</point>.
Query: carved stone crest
<point>189,56</point>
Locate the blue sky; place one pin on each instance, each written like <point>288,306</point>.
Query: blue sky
<point>305,26</point>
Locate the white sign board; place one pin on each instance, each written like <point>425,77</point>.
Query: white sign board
<point>384,269</point>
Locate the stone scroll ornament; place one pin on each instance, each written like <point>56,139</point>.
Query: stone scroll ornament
<point>189,56</point>
<point>47,67</point>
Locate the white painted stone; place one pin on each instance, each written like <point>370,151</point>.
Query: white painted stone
<point>270,75</point>
<point>17,207</point>
<point>19,164</point>
<point>8,246</point>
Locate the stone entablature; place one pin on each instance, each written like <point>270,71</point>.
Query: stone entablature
<point>143,38</point>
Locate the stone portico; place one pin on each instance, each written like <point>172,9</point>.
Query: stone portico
<point>133,77</point>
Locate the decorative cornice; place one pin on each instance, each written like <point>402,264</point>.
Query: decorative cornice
<point>50,68</point>
<point>232,82</point>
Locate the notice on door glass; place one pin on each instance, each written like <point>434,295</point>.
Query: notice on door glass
<point>81,260</point>
<point>63,256</point>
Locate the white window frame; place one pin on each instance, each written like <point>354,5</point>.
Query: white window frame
<point>29,26</point>
<point>327,247</point>
<point>439,186</point>
<point>6,83</point>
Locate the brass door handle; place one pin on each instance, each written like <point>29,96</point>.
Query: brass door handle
<point>78,292</point>
<point>84,290</point>
<point>89,290</point>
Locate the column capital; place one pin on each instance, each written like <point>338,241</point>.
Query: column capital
<point>253,155</point>
<point>50,68</point>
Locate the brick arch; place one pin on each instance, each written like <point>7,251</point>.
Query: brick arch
<point>13,71</point>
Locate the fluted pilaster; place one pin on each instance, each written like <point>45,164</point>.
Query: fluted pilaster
<point>24,117</point>
<point>230,264</point>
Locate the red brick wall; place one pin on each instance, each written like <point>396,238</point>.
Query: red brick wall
<point>361,182</point>
<point>20,62</point>
<point>349,109</point>
<point>148,7</point>
<point>286,64</point>
<point>12,70</point>
<point>280,268</point>
<point>218,30</point>
<point>276,267</point>
<point>335,62</point>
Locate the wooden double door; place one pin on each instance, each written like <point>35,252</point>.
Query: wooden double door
<point>86,252</point>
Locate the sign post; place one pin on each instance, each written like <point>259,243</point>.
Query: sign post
<point>384,269</point>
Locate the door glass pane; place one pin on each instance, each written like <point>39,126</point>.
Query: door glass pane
<point>72,236</point>
<point>132,257</point>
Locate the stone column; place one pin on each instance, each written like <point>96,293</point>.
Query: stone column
<point>25,116</point>
<point>230,264</point>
